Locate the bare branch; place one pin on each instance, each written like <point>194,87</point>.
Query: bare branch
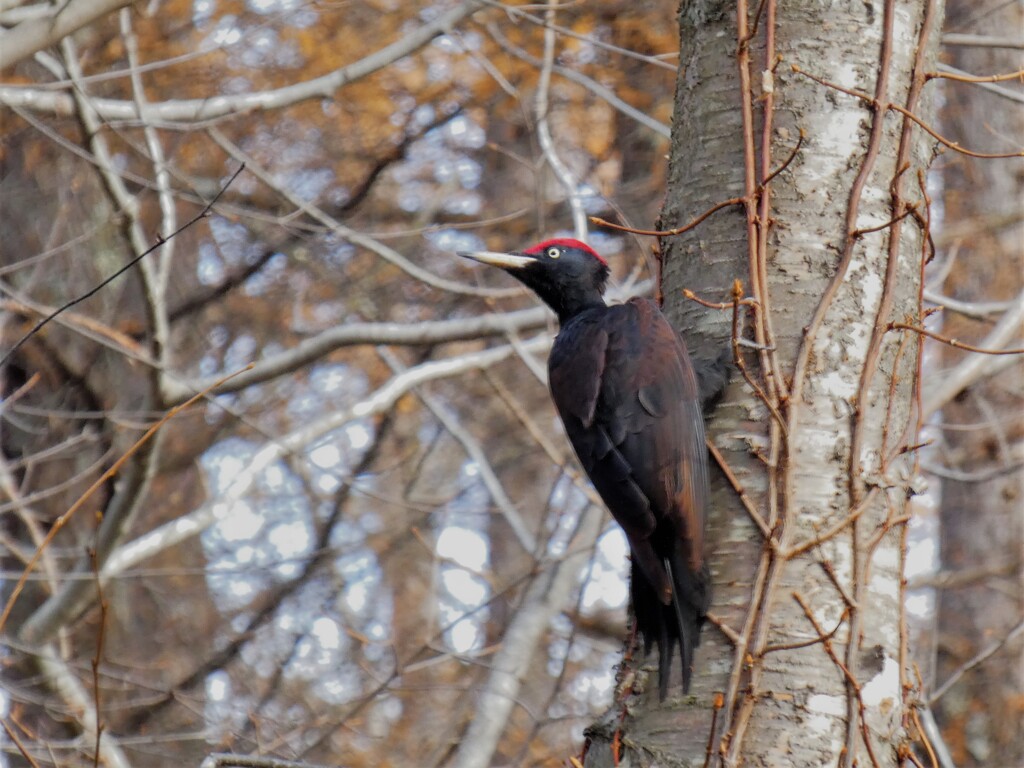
<point>579,78</point>
<point>351,334</point>
<point>194,110</point>
<point>106,281</point>
<point>66,18</point>
<point>16,740</point>
<point>45,621</point>
<point>546,596</point>
<point>975,661</point>
<point>384,398</point>
<point>982,41</point>
<point>168,209</point>
<point>517,12</point>
<point>475,452</point>
<point>351,235</point>
<point>974,368</point>
<point>60,677</point>
<point>987,84</point>
<point>221,760</point>
<point>547,143</point>
<point>979,310</point>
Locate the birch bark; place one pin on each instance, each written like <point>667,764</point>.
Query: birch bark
<point>815,427</point>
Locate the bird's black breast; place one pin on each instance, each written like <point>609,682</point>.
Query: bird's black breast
<point>623,384</point>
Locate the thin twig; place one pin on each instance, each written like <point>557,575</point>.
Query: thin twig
<point>353,236</point>
<point>98,656</point>
<point>475,452</point>
<point>795,646</point>
<point>547,143</point>
<point>61,521</point>
<point>963,77</point>
<point>954,342</point>
<point>671,232</point>
<point>974,661</point>
<point>188,112</point>
<point>730,634</point>
<point>716,707</point>
<point>851,681</point>
<point>205,212</point>
<point>737,292</point>
<point>13,736</point>
<point>741,492</point>
<point>688,294</point>
<point>833,530</point>
<point>222,760</point>
<point>907,211</point>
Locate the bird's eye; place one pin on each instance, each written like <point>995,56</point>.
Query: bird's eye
<point>554,253</point>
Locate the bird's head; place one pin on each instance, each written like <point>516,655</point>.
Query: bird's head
<point>566,274</point>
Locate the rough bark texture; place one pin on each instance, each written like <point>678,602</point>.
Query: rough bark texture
<point>842,386</point>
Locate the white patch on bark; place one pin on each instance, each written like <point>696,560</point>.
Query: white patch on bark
<point>874,211</point>
<point>883,584</point>
<point>904,28</point>
<point>836,142</point>
<point>827,705</point>
<point>826,715</point>
<point>836,384</point>
<point>886,557</point>
<point>871,287</point>
<point>819,723</point>
<point>885,685</point>
<point>846,75</point>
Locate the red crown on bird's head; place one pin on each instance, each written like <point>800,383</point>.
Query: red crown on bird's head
<point>564,242</point>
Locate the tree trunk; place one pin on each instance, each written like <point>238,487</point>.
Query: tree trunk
<point>808,525</point>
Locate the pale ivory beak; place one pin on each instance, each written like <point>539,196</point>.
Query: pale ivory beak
<point>503,260</point>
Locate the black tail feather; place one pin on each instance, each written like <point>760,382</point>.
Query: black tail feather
<point>677,622</point>
<point>685,642</point>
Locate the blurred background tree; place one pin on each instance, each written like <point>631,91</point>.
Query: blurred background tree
<point>321,558</point>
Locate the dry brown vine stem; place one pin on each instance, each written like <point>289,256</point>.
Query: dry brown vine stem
<point>889,416</point>
<point>21,391</point>
<point>801,547</point>
<point>857,484</point>
<point>742,691</point>
<point>924,739</point>
<point>713,209</point>
<point>1018,75</point>
<point>909,210</point>
<point>669,232</point>
<point>730,634</point>
<point>888,105</point>
<point>854,684</point>
<point>737,486</point>
<point>737,300</point>
<point>61,521</point>
<point>795,646</point>
<point>914,427</point>
<point>830,571</point>
<point>954,342</point>
<point>716,707</point>
<point>688,294</point>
